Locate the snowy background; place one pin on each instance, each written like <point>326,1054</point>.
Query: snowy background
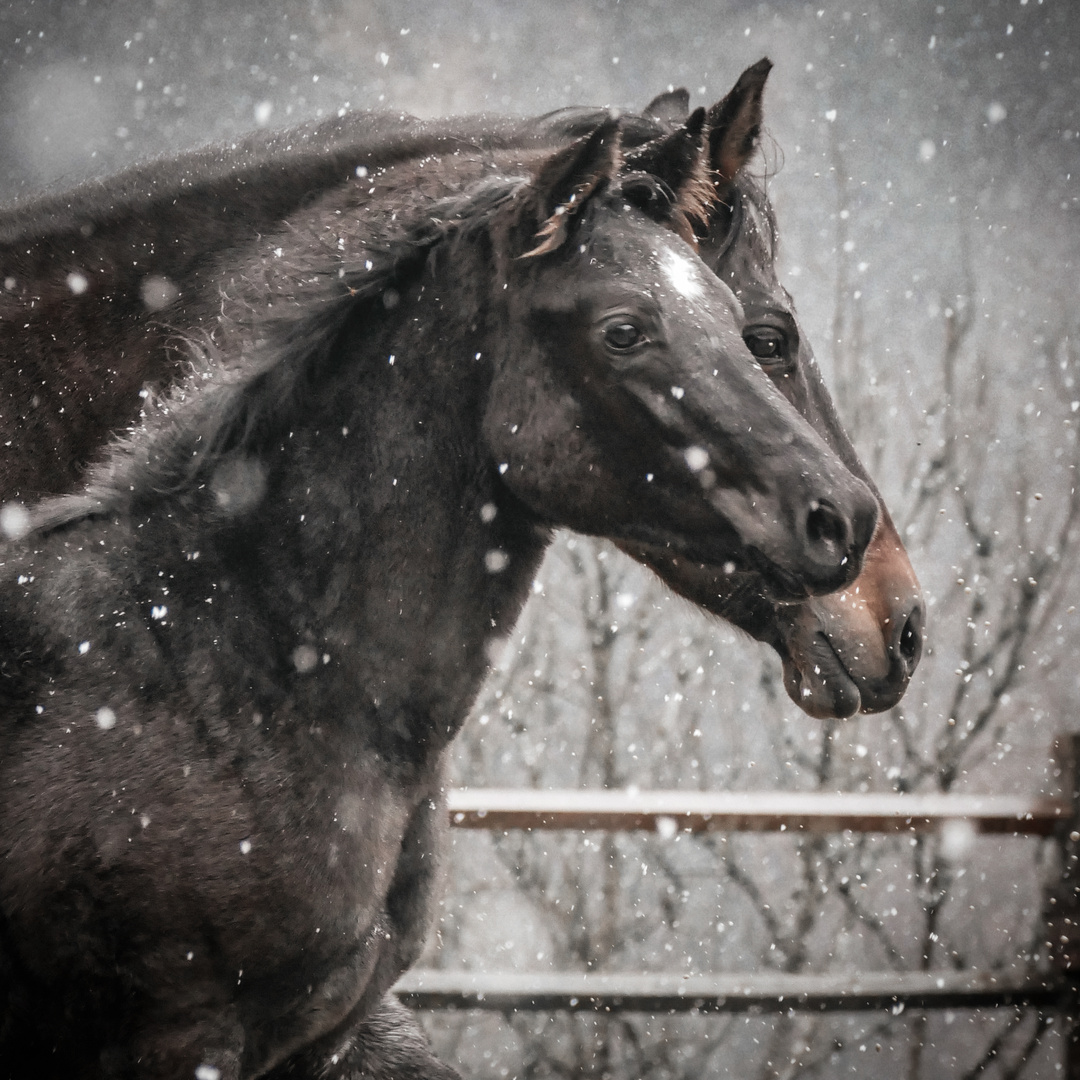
<point>924,160</point>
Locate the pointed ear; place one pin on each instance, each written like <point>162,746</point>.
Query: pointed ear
<point>735,122</point>
<point>566,180</point>
<point>680,161</point>
<point>669,108</point>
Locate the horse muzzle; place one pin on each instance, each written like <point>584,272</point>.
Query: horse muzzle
<point>857,649</point>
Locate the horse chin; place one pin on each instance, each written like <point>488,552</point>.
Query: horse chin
<point>818,682</point>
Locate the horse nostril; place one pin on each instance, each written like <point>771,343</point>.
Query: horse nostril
<point>826,528</point>
<point>910,641</point>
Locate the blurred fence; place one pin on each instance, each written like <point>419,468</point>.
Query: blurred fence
<point>1055,988</point>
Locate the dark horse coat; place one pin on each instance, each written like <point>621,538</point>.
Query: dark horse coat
<point>98,280</point>
<point>229,673</point>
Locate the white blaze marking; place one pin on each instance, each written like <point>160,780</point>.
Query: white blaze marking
<point>682,274</point>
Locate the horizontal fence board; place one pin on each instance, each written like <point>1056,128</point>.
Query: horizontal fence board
<point>667,812</point>
<point>761,992</point>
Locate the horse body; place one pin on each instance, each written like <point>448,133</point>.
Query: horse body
<point>238,852</point>
<point>265,801</point>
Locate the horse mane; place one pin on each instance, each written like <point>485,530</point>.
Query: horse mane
<point>242,394</point>
<point>243,167</point>
<point>577,121</point>
<point>229,405</point>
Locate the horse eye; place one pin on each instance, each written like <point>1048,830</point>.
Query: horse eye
<point>766,342</point>
<point>622,336</point>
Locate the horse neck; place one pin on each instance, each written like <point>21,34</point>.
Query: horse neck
<point>384,542</point>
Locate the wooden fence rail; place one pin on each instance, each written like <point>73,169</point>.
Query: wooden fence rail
<point>758,811</point>
<point>758,992</point>
<point>669,812</point>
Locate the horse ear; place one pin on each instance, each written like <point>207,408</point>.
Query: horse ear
<point>671,107</point>
<point>679,160</point>
<point>735,122</point>
<point>567,179</point>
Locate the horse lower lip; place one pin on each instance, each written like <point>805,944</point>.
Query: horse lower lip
<point>824,686</point>
<point>878,698</point>
<point>871,695</point>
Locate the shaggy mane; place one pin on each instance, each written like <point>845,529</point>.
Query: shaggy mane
<point>226,405</point>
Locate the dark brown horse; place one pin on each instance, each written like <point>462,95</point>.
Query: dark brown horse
<point>97,280</point>
<point>230,670</point>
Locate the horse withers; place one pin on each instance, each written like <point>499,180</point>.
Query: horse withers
<point>231,670</point>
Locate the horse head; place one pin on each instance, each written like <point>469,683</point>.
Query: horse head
<point>856,649</point>
<point>625,402</point>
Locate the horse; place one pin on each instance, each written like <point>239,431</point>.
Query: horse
<point>125,264</point>
<point>230,670</point>
<point>854,650</point>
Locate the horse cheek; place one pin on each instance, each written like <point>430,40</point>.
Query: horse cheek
<point>531,430</point>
